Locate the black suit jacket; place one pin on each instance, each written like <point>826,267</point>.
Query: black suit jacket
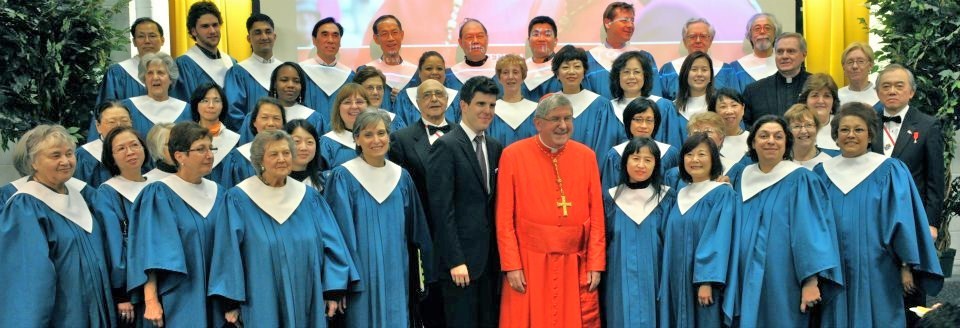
<point>923,156</point>
<point>462,212</point>
<point>410,148</point>
<point>771,95</point>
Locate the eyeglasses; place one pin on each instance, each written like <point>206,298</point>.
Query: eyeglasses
<point>430,94</point>
<point>555,119</point>
<point>123,121</point>
<point>203,150</point>
<point>761,28</point>
<point>124,148</point>
<point>625,20</point>
<point>215,101</point>
<point>856,131</point>
<point>808,126</point>
<point>642,120</point>
<point>148,36</point>
<point>858,62</point>
<point>694,37</point>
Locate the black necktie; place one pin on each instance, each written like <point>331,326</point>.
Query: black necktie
<point>478,142</point>
<point>433,129</point>
<point>886,119</point>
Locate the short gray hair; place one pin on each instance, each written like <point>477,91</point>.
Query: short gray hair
<point>550,103</point>
<point>368,117</point>
<point>798,36</point>
<point>26,149</point>
<point>260,143</point>
<point>755,17</point>
<point>172,70</point>
<point>157,139</point>
<point>683,32</point>
<point>894,67</point>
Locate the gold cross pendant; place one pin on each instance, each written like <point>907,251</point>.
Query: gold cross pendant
<point>562,203</point>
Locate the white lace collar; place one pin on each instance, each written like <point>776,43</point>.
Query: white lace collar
<point>244,150</point>
<point>278,202</point>
<point>848,173</point>
<point>345,138</point>
<point>397,75</point>
<point>661,146</point>
<point>132,67</point>
<point>95,148</point>
<point>379,182</point>
<point>224,142</point>
<point>464,72</point>
<point>537,73</point>
<point>297,111</point>
<point>215,68</point>
<point>329,79</point>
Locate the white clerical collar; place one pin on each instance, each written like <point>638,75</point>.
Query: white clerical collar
<point>216,69</point>
<point>224,142</point>
<point>692,193</point>
<point>754,181</point>
<point>412,94</point>
<point>544,144</point>
<point>848,173</point>
<point>397,75</point>
<point>469,132</point>
<point>344,137</point>
<point>379,182</point>
<point>516,113</point>
<point>537,73</point>
<point>132,67</point>
<point>660,146</point>
<point>637,204</point>
<point>244,150</point>
<point>464,72</point>
<point>278,202</point>
<point>95,148</point>
<point>260,69</point>
<point>159,111</point>
<point>678,63</point>
<point>581,100</point>
<point>825,139</point>
<point>328,78</point>
<point>126,188</point>
<point>71,206</point>
<point>201,197</point>
<point>297,111</point>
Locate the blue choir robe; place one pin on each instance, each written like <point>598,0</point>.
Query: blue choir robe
<point>398,77</point>
<point>337,147</point>
<point>244,84</point>
<point>277,251</point>
<point>750,68</point>
<point>196,69</point>
<point>171,234</point>
<point>295,112</point>
<point>381,218</point>
<point>323,84</point>
<point>458,74</point>
<point>114,205</point>
<point>634,243</point>
<point>156,174</point>
<point>600,61</point>
<point>594,123</point>
<point>225,142</point>
<point>89,168</point>
<point>787,235</point>
<point>540,81</point>
<point>811,163</point>
<point>121,81</point>
<point>673,126</point>
<point>699,247</point>
<point>724,76</point>
<point>409,111</point>
<point>7,191</point>
<point>731,168</point>
<point>513,121</point>
<point>825,139</point>
<point>236,166</point>
<point>610,167</point>
<point>54,270</point>
<point>146,112</point>
<point>881,224</point>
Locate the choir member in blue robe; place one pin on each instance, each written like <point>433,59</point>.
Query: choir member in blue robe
<point>513,119</point>
<point>124,159</point>
<point>207,109</point>
<point>203,62</point>
<point>287,86</point>
<point>699,242</point>
<point>307,165</point>
<point>337,146</point>
<point>54,272</point>
<point>236,167</point>
<point>630,79</point>
<point>157,71</point>
<point>618,22</point>
<point>762,29</point>
<point>430,67</point>
<point>728,103</point>
<point>695,91</point>
<point>171,237</point>
<point>381,217</point>
<point>249,80</point>
<point>635,211</point>
<point>90,168</point>
<point>697,36</point>
<point>159,153</point>
<point>596,125</point>
<point>804,123</point>
<point>474,42</point>
<point>325,74</point>
<point>121,81</point>
<point>819,93</point>
<point>378,94</point>
<point>279,256</point>
<point>857,60</point>
<point>886,246</point>
<point>539,79</point>
<point>640,118</point>
<point>789,256</point>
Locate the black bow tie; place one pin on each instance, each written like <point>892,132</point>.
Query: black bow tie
<point>886,119</point>
<point>433,129</point>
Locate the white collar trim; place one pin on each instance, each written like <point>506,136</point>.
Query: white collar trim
<point>581,101</point>
<point>95,148</point>
<point>397,75</point>
<point>215,68</point>
<point>605,56</point>
<point>464,72</point>
<point>516,113</point>
<point>412,95</point>
<point>201,197</point>
<point>848,173</point>
<point>159,111</point>
<point>537,73</point>
<point>132,67</point>
<point>637,204</point>
<point>224,143</point>
<point>278,202</point>
<point>754,181</point>
<point>73,183</point>
<point>244,150</point>
<point>379,182</point>
<point>661,146</point>
<point>329,79</point>
<point>297,111</point>
<point>72,205</point>
<point>692,193</point>
<point>259,70</point>
<point>344,138</point>
<point>126,188</point>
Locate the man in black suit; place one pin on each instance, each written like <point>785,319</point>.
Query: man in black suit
<point>410,148</point>
<point>461,183</point>
<point>914,138</point>
<point>776,93</point>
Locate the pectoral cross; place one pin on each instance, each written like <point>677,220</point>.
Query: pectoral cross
<point>564,204</point>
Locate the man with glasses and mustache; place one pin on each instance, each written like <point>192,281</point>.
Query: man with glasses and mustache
<point>697,35</point>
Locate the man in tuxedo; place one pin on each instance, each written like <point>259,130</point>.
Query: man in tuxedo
<point>461,183</point>
<point>914,138</point>
<point>410,148</point>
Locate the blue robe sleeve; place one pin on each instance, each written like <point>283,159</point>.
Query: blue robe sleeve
<point>28,278</point>
<point>236,168</point>
<point>89,169</point>
<point>610,170</point>
<point>118,85</point>
<point>242,93</point>
<point>227,277</point>
<point>813,235</point>
<point>715,245</point>
<point>109,207</point>
<point>337,193</point>
<point>671,159</point>
<point>673,126</point>
<point>726,78</point>
<point>154,242</point>
<point>908,234</point>
<point>339,270</point>
<point>417,232</point>
<point>669,81</point>
<point>387,103</point>
<point>671,178</point>
<point>405,109</point>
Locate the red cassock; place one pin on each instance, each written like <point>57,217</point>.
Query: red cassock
<point>554,251</point>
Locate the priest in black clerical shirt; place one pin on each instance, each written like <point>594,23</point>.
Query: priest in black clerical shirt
<point>776,93</point>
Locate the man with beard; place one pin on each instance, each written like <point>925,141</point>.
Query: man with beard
<point>762,29</point>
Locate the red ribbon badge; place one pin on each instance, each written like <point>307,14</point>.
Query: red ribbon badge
<point>916,135</point>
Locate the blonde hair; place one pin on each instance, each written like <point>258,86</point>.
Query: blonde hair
<point>348,90</point>
<point>799,112</point>
<point>707,118</point>
<point>512,59</point>
<point>856,45</point>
